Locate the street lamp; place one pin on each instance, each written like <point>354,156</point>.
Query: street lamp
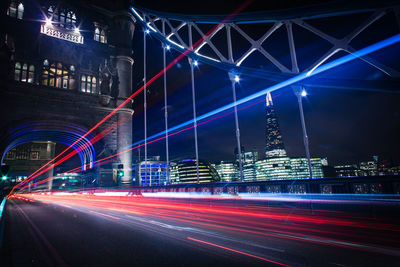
<point>195,63</point>
<point>235,79</point>
<point>300,93</point>
<point>48,22</point>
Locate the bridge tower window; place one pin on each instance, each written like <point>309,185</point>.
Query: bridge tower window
<point>100,35</point>
<point>62,18</point>
<point>89,84</point>
<point>58,75</point>
<point>24,72</point>
<point>16,10</point>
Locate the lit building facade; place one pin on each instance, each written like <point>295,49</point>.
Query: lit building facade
<point>274,143</point>
<point>273,169</point>
<point>368,168</point>
<point>299,167</point>
<point>156,173</point>
<point>185,172</point>
<point>249,166</point>
<point>249,159</point>
<point>227,171</point>
<point>27,158</point>
<point>347,170</point>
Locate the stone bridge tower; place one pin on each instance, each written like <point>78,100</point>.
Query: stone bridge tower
<point>67,62</point>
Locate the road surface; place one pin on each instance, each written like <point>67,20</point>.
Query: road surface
<point>87,230</point>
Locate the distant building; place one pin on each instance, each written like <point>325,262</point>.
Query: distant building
<point>347,170</point>
<point>279,168</point>
<point>249,159</point>
<point>227,171</point>
<point>274,143</point>
<point>273,169</point>
<point>26,158</point>
<point>185,172</point>
<point>156,173</point>
<point>368,168</point>
<point>299,167</point>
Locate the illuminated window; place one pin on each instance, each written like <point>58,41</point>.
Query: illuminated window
<point>24,72</point>
<point>57,74</point>
<point>34,155</point>
<point>17,71</point>
<point>22,154</point>
<point>100,35</point>
<point>10,154</point>
<point>89,84</point>
<point>16,10</point>
<point>62,18</point>
<point>31,74</point>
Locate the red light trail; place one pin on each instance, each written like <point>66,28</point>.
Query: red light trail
<point>236,251</point>
<point>236,217</point>
<point>105,160</point>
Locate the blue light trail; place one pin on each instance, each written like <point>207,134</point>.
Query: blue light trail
<point>323,68</point>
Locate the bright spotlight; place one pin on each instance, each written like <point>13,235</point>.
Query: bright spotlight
<point>237,79</point>
<point>304,93</point>
<point>76,30</point>
<point>48,22</point>
<point>168,47</point>
<point>196,63</point>
<point>147,31</point>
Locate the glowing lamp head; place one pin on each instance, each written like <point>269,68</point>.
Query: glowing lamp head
<point>4,178</point>
<point>76,30</point>
<point>237,78</point>
<point>168,47</point>
<point>48,22</point>
<point>147,31</point>
<point>195,63</point>
<point>303,93</point>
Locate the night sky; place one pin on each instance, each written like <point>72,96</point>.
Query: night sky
<point>343,125</point>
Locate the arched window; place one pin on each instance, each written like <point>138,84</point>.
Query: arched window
<point>58,75</point>
<point>17,71</point>
<point>16,9</point>
<point>24,72</point>
<point>31,74</point>
<point>62,18</point>
<point>89,84</point>
<point>69,19</point>
<point>97,35</point>
<point>103,38</point>
<point>100,35</point>
<point>20,13</point>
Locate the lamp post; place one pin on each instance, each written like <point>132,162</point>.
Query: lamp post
<point>235,79</point>
<point>300,93</point>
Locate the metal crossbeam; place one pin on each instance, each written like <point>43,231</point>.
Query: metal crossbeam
<point>239,59</point>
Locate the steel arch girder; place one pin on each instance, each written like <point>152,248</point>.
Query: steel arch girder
<point>230,63</point>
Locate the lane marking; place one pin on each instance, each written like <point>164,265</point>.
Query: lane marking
<point>237,251</point>
<point>106,215</point>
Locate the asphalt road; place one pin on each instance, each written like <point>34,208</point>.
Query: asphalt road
<point>43,230</point>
